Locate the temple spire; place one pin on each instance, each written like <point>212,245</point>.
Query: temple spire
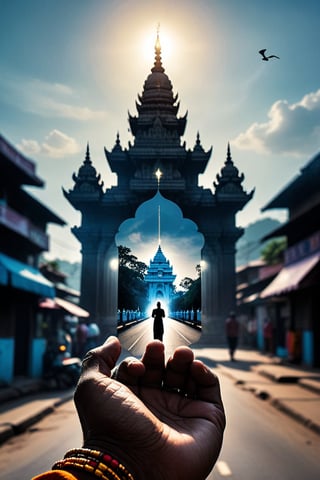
<point>157,63</point>
<point>87,181</point>
<point>229,182</point>
<point>87,160</point>
<point>159,226</point>
<point>229,158</point>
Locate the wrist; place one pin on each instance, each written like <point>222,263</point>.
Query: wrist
<point>86,463</point>
<point>132,462</point>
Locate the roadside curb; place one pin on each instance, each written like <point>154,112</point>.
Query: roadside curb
<point>287,395</point>
<point>285,408</point>
<point>31,414</point>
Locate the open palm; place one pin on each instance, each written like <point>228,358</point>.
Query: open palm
<point>162,421</point>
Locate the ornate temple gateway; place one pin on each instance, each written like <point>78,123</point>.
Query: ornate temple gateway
<point>157,132</point>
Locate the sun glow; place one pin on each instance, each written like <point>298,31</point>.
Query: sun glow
<point>148,42</point>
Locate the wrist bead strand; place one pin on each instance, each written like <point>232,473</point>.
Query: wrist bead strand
<point>100,464</point>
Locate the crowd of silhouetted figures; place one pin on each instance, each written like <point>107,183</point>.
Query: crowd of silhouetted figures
<point>130,317</point>
<point>192,317</point>
<point>126,318</point>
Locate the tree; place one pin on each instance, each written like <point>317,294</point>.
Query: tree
<point>186,283</point>
<point>191,298</point>
<point>273,252</point>
<point>132,290</point>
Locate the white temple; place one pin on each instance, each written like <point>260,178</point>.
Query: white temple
<point>160,279</point>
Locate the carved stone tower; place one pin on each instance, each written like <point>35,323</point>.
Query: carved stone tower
<point>160,279</point>
<point>157,132</point>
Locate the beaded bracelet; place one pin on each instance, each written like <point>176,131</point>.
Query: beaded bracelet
<point>100,464</point>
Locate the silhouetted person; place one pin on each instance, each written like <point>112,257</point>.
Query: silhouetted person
<point>266,58</point>
<point>158,314</point>
<point>92,335</point>
<point>232,332</point>
<point>81,338</point>
<point>267,335</point>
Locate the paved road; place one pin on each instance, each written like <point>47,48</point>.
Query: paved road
<point>175,334</point>
<point>34,451</point>
<point>260,442</point>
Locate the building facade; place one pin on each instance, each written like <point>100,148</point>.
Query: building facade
<point>23,237</point>
<point>294,293</point>
<point>253,311</point>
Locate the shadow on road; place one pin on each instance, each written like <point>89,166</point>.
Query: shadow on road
<point>244,365</point>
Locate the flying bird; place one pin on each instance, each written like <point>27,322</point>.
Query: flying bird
<point>264,57</point>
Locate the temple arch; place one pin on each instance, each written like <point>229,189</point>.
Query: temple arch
<point>157,146</point>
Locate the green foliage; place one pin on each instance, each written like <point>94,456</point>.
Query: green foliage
<point>191,298</point>
<point>273,252</point>
<point>249,246</point>
<point>54,265</point>
<point>132,290</point>
<point>186,283</point>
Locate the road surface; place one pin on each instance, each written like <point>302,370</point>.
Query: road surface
<point>176,334</point>
<point>261,443</point>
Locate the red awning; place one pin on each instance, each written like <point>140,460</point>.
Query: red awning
<point>60,303</point>
<point>71,308</point>
<point>290,277</point>
<point>48,303</point>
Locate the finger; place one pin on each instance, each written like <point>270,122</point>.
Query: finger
<point>129,371</point>
<point>102,358</point>
<point>153,361</point>
<point>204,383</point>
<point>178,370</point>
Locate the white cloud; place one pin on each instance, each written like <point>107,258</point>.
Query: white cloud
<point>50,107</point>
<point>291,128</point>
<point>55,145</point>
<point>45,99</point>
<point>135,238</point>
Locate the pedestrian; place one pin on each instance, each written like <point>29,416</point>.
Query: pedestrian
<point>92,335</point>
<point>232,333</point>
<point>267,335</point>
<point>158,314</point>
<point>81,338</point>
<point>146,419</point>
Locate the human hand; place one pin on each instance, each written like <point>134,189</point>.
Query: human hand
<point>164,422</point>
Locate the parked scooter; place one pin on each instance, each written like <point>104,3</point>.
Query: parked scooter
<point>60,369</point>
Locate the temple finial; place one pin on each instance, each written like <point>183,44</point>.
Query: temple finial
<point>229,158</point>
<point>88,159</point>
<point>157,47</point>
<point>157,44</point>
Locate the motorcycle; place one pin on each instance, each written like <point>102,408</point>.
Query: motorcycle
<point>60,369</point>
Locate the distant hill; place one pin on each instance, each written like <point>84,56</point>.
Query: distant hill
<point>73,272</point>
<point>249,246</point>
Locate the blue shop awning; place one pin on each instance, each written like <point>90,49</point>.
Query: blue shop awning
<point>291,276</point>
<point>22,276</point>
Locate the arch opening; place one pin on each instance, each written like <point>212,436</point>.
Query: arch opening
<point>180,239</point>
<point>159,222</point>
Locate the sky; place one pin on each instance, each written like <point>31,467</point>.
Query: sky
<point>71,70</point>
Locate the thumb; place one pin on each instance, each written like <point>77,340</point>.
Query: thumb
<point>103,358</point>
